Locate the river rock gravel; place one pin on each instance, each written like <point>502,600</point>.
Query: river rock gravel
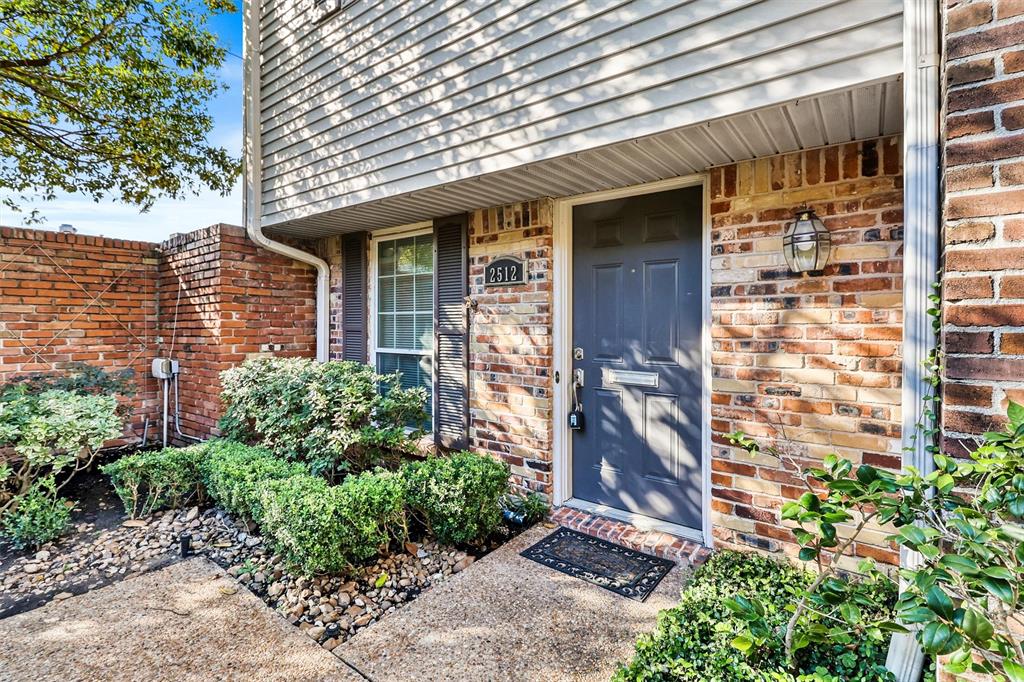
<point>328,609</point>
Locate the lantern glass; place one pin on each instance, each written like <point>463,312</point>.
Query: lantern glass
<point>806,243</point>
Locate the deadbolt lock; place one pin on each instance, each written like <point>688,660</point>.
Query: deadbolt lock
<point>577,353</point>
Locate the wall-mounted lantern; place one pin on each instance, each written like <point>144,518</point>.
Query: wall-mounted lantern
<point>806,243</point>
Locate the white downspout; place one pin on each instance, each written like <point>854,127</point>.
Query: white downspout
<point>921,176</point>
<point>253,164</point>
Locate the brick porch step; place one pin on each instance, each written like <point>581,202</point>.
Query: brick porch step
<point>674,548</point>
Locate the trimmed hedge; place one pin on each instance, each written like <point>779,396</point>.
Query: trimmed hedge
<point>330,529</point>
<point>693,641</point>
<point>40,516</point>
<point>315,526</point>
<point>235,474</point>
<point>149,481</point>
<point>459,496</point>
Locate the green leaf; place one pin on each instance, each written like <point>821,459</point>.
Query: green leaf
<point>938,638</point>
<point>977,627</point>
<point>1013,670</point>
<point>808,554</point>
<point>866,474</point>
<point>1000,588</point>
<point>939,602</point>
<point>742,643</point>
<point>810,502</point>
<point>913,535</point>
<point>960,564</point>
<point>1000,572</point>
<point>851,612</point>
<point>1015,413</point>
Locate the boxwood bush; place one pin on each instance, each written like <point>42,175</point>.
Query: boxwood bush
<point>149,481</point>
<point>693,640</point>
<point>320,528</point>
<point>235,474</point>
<point>338,417</point>
<point>40,516</point>
<point>457,497</point>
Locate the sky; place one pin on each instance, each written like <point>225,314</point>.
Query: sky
<point>167,216</point>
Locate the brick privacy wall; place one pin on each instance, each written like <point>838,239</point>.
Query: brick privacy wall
<point>810,363</point>
<point>983,283</point>
<point>210,297</point>
<point>69,298</point>
<point>511,350</point>
<point>237,301</point>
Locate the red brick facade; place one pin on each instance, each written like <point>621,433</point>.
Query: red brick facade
<point>222,300</point>
<point>983,332</point>
<point>67,298</point>
<point>808,362</point>
<point>210,298</point>
<point>511,342</point>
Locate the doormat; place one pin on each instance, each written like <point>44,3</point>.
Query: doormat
<point>613,567</point>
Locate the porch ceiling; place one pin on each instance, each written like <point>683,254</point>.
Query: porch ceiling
<point>860,113</point>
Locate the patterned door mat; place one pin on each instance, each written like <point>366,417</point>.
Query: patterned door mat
<point>613,567</point>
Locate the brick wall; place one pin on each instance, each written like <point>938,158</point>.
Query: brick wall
<point>68,298</point>
<point>983,333</point>
<point>223,300</point>
<point>210,298</point>
<point>811,362</point>
<point>511,342</point>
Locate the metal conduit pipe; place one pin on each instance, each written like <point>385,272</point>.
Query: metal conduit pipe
<point>253,174</point>
<point>177,415</point>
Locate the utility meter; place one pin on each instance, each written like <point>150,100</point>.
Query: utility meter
<point>164,368</point>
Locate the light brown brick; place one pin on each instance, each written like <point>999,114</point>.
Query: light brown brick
<point>968,16</point>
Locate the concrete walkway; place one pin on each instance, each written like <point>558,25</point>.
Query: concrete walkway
<point>503,618</point>
<point>184,622</point>
<point>509,618</point>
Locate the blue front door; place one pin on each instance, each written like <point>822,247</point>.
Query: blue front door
<point>637,339</point>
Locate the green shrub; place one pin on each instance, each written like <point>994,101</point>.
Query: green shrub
<point>525,509</point>
<point>330,529</point>
<point>53,434</point>
<point>337,416</point>
<point>149,481</point>
<point>234,475</point>
<point>693,640</point>
<point>458,497</point>
<point>39,517</point>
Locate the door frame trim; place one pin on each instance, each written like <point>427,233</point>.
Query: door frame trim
<point>562,339</point>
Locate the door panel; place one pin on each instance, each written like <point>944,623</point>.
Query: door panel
<point>637,318</point>
<point>608,318</point>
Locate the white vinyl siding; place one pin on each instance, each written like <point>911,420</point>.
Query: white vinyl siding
<point>393,97</point>
<point>403,305</point>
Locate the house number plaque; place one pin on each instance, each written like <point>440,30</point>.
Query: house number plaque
<point>505,271</point>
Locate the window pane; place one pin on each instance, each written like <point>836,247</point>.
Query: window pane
<point>424,292</point>
<point>386,258</point>
<point>425,253</point>
<point>405,297</point>
<point>405,331</point>
<point>425,331</point>
<point>405,256</point>
<point>386,294</point>
<point>415,371</point>
<point>386,331</point>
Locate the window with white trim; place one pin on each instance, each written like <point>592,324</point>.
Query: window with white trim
<point>404,310</point>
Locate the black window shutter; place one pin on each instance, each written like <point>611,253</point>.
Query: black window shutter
<point>353,296</point>
<point>451,333</point>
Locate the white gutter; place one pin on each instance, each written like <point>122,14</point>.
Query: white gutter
<point>253,165</point>
<point>922,214</point>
